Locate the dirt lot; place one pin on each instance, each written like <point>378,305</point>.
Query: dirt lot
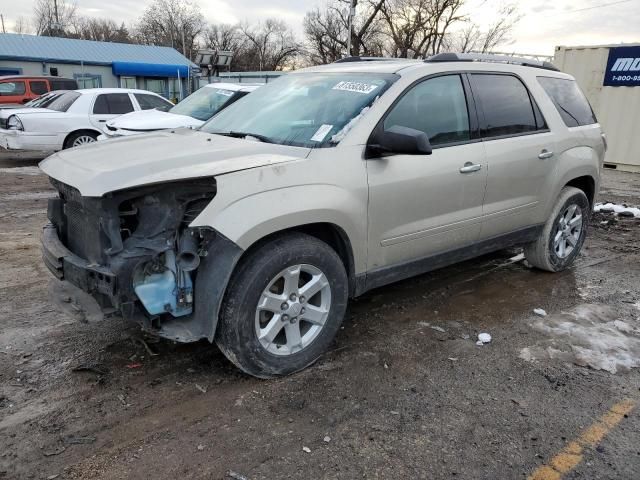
<point>405,392</point>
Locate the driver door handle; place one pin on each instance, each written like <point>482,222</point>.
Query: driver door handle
<point>470,167</point>
<point>544,154</point>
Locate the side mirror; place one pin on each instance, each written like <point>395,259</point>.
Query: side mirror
<point>401,140</point>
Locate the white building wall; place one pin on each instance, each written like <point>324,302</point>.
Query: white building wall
<point>109,80</point>
<point>617,108</point>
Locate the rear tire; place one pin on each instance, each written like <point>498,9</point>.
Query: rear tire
<point>564,233</point>
<point>78,139</point>
<point>267,326</point>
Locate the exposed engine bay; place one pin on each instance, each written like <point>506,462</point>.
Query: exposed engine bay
<point>137,253</point>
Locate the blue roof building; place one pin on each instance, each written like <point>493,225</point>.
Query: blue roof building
<point>97,64</point>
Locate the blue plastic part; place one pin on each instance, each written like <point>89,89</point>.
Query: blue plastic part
<point>158,292</point>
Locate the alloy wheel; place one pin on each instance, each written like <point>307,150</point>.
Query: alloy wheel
<point>293,309</point>
<point>568,233</point>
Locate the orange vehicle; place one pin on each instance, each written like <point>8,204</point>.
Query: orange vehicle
<point>19,89</point>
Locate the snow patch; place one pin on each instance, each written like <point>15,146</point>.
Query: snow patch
<point>588,335</point>
<point>617,209</point>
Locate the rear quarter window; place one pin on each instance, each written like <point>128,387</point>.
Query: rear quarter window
<point>569,100</point>
<point>63,84</point>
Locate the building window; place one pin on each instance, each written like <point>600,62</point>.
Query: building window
<point>88,80</point>
<point>128,82</point>
<point>156,85</point>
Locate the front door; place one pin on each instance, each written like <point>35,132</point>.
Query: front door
<point>424,205</point>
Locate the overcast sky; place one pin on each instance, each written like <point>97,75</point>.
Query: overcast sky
<point>545,23</point>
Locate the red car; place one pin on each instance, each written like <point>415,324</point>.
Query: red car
<point>20,89</point>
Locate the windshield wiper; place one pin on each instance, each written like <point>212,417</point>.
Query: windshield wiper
<point>262,138</point>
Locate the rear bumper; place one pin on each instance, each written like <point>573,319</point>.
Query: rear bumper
<point>19,140</point>
<point>65,265</point>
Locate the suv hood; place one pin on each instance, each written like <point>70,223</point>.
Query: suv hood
<point>153,120</point>
<point>159,157</point>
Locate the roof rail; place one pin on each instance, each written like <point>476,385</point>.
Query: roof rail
<point>483,57</point>
<point>369,59</point>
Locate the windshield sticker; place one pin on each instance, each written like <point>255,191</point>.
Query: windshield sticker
<point>321,133</point>
<point>226,93</point>
<point>356,87</point>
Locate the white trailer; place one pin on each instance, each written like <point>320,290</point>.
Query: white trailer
<point>609,75</point>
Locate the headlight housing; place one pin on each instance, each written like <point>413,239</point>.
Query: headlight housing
<point>14,123</point>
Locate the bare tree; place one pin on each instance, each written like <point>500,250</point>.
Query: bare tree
<point>472,38</point>
<point>53,18</point>
<point>21,25</point>
<point>271,45</point>
<point>325,35</point>
<point>99,29</point>
<point>326,31</point>
<point>417,28</point>
<point>173,23</point>
<point>225,37</point>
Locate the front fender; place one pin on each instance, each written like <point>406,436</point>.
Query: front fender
<point>255,203</point>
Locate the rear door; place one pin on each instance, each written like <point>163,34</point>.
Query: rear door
<point>519,148</point>
<point>423,205</point>
<point>109,105</point>
<point>38,87</point>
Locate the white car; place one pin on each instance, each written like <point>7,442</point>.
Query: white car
<point>192,112</point>
<point>74,118</point>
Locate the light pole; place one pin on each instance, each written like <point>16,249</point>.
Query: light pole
<point>352,12</point>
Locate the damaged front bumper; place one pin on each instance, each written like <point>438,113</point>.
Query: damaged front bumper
<point>65,265</point>
<point>124,250</point>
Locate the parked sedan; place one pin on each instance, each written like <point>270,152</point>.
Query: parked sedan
<point>192,112</point>
<point>72,119</point>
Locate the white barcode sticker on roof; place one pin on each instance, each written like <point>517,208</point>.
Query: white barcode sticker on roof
<point>321,133</point>
<point>356,87</point>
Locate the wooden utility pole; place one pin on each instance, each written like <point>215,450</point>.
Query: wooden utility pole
<point>352,13</point>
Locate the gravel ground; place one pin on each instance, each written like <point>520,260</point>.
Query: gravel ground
<point>395,397</point>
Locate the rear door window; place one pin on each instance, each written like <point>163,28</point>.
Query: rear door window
<point>569,100</point>
<point>38,87</point>
<point>113,104</point>
<point>507,106</point>
<point>12,89</point>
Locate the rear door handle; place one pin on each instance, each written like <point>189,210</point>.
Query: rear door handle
<point>544,154</point>
<point>470,167</point>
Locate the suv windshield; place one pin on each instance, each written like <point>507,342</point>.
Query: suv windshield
<point>204,103</point>
<point>308,110</point>
<point>63,102</point>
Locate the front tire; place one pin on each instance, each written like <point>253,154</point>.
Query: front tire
<point>283,307</point>
<point>564,233</point>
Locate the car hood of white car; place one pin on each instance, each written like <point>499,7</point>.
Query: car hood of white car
<point>159,157</point>
<point>147,120</point>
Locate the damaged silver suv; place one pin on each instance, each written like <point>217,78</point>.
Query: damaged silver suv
<point>254,231</point>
